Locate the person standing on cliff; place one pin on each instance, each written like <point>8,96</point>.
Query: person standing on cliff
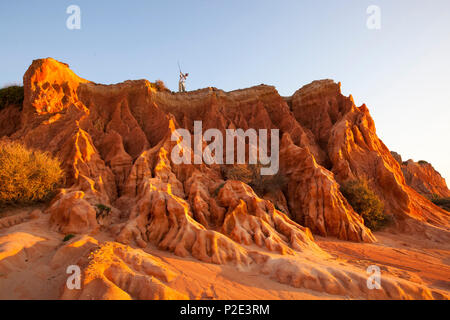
<point>182,82</point>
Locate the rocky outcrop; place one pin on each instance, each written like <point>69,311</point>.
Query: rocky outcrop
<point>423,178</point>
<point>354,151</point>
<point>115,144</point>
<point>73,214</point>
<point>397,157</point>
<point>314,197</point>
<point>9,120</point>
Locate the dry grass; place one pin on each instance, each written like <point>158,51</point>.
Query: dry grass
<point>27,176</point>
<point>161,86</point>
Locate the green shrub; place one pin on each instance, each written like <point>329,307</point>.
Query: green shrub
<point>434,197</point>
<point>366,203</point>
<point>422,162</point>
<point>251,175</point>
<point>278,208</point>
<point>68,237</point>
<point>12,95</point>
<point>216,192</point>
<point>102,210</point>
<point>27,176</point>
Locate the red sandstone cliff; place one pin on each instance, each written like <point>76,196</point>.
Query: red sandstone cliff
<point>353,150</point>
<point>114,141</point>
<point>423,178</point>
<point>115,145</point>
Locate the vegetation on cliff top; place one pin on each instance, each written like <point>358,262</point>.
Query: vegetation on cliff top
<point>12,95</point>
<point>160,86</point>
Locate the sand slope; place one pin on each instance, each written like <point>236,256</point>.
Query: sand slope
<point>33,263</point>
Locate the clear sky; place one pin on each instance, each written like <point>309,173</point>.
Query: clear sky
<point>402,71</point>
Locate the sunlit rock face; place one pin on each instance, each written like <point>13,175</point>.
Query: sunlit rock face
<point>115,144</point>
<point>353,150</point>
<point>423,178</point>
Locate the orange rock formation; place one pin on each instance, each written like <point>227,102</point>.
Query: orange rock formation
<point>423,178</point>
<point>114,142</point>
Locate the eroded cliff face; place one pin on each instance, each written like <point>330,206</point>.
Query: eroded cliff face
<point>422,177</point>
<point>9,120</point>
<point>353,150</point>
<point>115,144</point>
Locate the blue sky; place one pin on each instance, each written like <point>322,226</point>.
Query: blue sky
<point>402,71</point>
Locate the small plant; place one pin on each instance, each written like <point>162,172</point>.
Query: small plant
<point>216,192</point>
<point>366,203</point>
<point>422,162</point>
<point>161,86</point>
<point>278,208</point>
<point>99,124</point>
<point>12,95</point>
<point>68,237</point>
<point>240,172</point>
<point>251,175</point>
<point>434,197</point>
<point>27,176</point>
<point>102,210</point>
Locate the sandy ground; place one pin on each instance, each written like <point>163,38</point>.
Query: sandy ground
<point>402,256</point>
<point>27,250</point>
<point>15,210</point>
<point>33,278</point>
